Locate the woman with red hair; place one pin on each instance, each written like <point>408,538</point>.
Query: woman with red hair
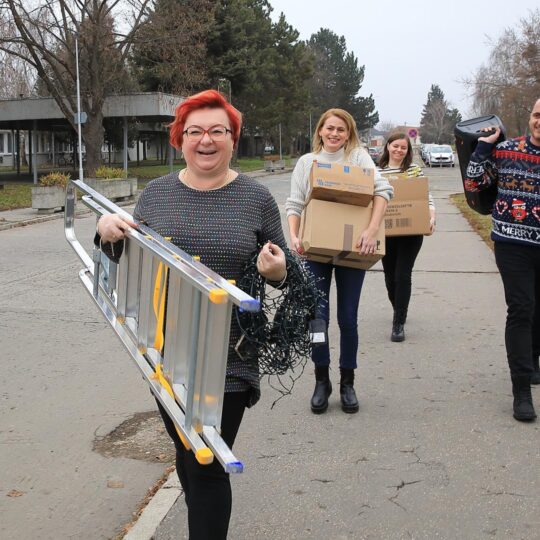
<point>212,211</point>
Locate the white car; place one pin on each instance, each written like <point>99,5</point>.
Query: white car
<point>440,155</point>
<point>424,151</point>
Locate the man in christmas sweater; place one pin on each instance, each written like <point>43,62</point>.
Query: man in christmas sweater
<point>515,166</point>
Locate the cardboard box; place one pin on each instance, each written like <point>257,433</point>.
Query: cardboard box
<point>408,212</point>
<point>329,232</point>
<point>340,183</point>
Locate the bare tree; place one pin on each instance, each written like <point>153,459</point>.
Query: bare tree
<point>509,82</point>
<point>18,78</point>
<point>44,39</point>
<point>386,126</point>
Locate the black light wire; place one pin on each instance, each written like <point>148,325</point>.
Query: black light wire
<point>277,337</point>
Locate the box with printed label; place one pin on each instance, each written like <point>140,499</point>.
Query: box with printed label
<point>329,232</point>
<point>341,183</point>
<point>408,211</point>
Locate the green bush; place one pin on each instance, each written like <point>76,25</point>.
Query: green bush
<point>55,178</point>
<point>110,173</point>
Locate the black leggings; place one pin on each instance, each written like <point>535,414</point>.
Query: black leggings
<point>401,252</point>
<point>207,488</point>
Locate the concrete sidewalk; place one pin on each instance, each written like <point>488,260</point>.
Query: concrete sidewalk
<point>434,451</point>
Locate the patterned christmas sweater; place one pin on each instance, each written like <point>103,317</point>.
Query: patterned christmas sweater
<point>515,166</point>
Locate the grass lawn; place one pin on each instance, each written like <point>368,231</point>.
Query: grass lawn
<point>481,224</point>
<point>15,196</point>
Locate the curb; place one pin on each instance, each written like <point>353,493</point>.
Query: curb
<point>156,510</point>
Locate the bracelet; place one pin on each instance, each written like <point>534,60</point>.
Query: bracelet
<point>282,281</point>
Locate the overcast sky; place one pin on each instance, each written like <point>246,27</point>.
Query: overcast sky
<point>406,46</point>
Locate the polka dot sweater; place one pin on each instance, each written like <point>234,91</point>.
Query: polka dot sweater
<point>223,227</point>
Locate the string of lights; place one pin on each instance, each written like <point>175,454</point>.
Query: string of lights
<point>277,337</point>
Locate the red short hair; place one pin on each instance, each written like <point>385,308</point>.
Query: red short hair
<point>208,99</point>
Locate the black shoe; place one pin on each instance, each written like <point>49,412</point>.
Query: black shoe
<point>323,389</point>
<point>523,403</point>
<point>535,377</point>
<point>398,325</point>
<point>398,332</point>
<point>349,401</point>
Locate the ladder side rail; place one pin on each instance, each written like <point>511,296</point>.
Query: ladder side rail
<point>69,227</point>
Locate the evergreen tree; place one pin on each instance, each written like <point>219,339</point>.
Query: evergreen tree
<point>338,78</point>
<point>169,52</point>
<point>267,67</point>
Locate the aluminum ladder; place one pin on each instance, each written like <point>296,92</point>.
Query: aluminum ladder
<point>173,316</point>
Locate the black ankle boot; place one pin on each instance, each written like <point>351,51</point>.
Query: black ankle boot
<point>349,402</point>
<point>323,389</point>
<point>398,325</point>
<point>523,403</point>
<point>535,378</point>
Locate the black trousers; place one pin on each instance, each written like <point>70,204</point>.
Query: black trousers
<point>398,263</point>
<point>519,266</point>
<point>207,488</point>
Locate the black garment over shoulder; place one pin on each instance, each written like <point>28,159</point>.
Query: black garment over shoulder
<point>221,226</point>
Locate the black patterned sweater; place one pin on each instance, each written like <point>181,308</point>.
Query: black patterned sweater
<point>515,166</point>
<point>223,227</point>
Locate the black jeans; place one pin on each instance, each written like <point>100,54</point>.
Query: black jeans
<point>207,488</point>
<point>401,252</point>
<point>519,266</point>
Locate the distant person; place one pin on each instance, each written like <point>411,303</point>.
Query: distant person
<point>336,141</point>
<point>515,166</point>
<point>401,251</point>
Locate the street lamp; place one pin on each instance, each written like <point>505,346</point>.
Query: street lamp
<point>78,117</point>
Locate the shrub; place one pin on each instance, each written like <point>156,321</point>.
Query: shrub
<point>55,178</point>
<point>110,173</point>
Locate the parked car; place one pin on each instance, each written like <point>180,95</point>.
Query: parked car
<point>375,153</point>
<point>424,151</point>
<point>440,155</point>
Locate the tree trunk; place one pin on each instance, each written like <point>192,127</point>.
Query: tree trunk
<point>93,134</point>
<point>251,145</point>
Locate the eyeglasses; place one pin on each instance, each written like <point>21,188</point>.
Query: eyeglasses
<point>216,133</point>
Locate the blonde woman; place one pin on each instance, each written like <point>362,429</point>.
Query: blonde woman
<point>336,141</point>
